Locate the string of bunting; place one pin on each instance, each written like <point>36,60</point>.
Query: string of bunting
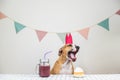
<point>41,34</point>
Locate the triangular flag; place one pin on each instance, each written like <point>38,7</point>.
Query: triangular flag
<point>118,12</point>
<point>18,26</point>
<point>105,24</point>
<point>62,36</point>
<point>40,34</point>
<point>84,32</point>
<point>2,15</point>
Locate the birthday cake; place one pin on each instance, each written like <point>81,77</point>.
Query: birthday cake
<point>78,72</point>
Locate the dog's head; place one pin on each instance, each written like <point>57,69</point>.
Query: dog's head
<point>69,51</point>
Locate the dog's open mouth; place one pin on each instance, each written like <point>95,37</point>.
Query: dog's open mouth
<point>72,55</point>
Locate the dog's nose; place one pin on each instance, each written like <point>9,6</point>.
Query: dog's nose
<point>77,47</point>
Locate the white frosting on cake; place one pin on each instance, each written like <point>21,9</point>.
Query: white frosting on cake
<point>78,69</point>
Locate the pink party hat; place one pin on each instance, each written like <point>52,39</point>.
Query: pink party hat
<point>68,39</point>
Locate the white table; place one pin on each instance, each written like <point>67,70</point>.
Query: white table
<point>59,77</point>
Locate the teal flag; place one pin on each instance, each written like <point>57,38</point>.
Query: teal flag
<point>18,26</point>
<point>62,36</point>
<point>104,24</point>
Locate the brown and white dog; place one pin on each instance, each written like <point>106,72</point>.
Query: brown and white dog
<point>67,55</point>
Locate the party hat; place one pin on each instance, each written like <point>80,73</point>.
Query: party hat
<point>68,39</point>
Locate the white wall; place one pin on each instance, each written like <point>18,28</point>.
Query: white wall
<point>19,53</point>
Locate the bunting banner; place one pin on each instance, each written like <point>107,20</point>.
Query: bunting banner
<point>61,36</point>
<point>2,15</point>
<point>18,26</point>
<point>104,24</point>
<point>118,12</point>
<point>40,34</point>
<point>84,32</point>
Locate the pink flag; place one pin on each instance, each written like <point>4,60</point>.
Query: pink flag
<point>118,12</point>
<point>2,15</point>
<point>68,39</point>
<point>40,34</point>
<point>84,32</point>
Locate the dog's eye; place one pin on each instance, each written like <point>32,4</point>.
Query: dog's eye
<point>70,45</point>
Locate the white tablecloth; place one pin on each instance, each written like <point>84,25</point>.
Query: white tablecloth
<point>59,77</point>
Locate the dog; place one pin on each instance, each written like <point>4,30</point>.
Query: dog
<point>67,55</point>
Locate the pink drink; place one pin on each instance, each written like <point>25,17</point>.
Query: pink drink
<point>44,71</point>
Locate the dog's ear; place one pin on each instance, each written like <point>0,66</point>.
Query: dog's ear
<point>60,52</point>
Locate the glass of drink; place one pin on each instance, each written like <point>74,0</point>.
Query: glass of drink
<point>44,68</point>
